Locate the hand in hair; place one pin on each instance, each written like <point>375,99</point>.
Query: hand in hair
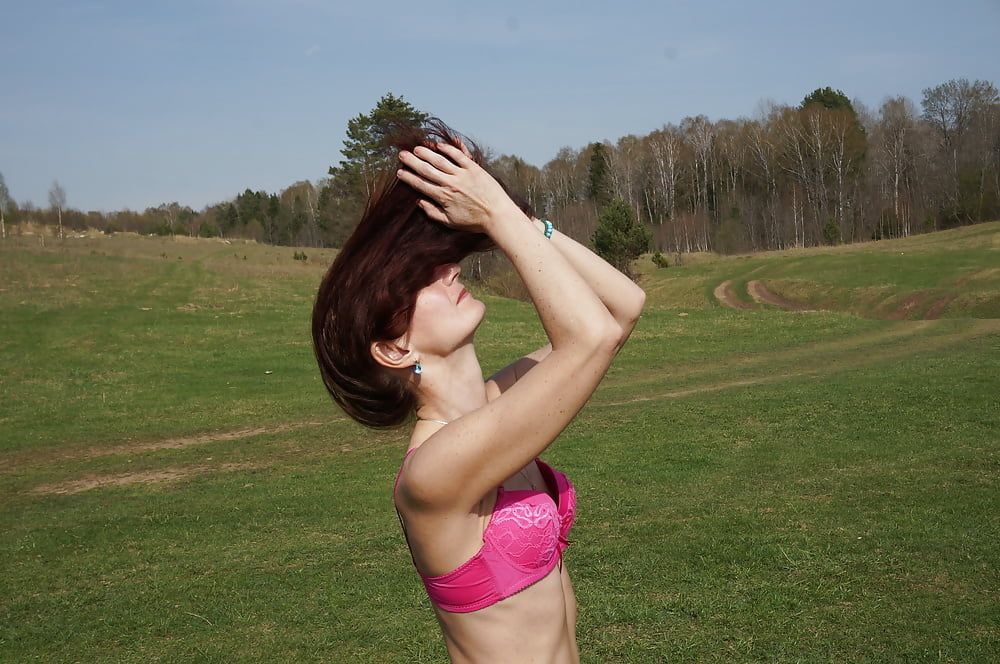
<point>458,192</point>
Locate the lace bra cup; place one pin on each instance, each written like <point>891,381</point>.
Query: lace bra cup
<point>525,538</point>
<point>525,525</point>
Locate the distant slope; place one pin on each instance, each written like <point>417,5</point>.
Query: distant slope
<point>952,274</point>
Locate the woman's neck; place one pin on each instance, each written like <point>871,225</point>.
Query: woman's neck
<point>451,386</point>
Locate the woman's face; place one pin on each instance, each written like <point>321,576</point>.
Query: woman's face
<point>445,315</point>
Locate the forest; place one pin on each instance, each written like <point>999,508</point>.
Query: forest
<point>825,171</point>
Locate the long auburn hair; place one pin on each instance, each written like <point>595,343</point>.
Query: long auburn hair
<point>369,290</point>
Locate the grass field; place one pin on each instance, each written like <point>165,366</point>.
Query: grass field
<point>753,485</point>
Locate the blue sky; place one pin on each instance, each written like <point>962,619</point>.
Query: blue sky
<point>130,104</point>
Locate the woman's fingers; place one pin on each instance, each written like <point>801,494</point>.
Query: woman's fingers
<point>436,159</point>
<point>433,211</point>
<point>423,168</point>
<point>457,155</point>
<point>418,183</point>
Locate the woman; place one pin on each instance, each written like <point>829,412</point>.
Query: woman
<point>485,519</point>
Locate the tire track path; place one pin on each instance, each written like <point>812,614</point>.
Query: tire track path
<point>981,327</point>
<point>759,292</point>
<point>725,295</point>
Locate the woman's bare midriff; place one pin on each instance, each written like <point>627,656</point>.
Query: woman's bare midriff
<point>537,624</point>
<point>529,626</point>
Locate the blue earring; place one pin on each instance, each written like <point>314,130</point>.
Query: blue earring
<point>417,368</point>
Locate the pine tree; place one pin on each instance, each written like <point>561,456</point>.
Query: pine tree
<point>342,198</point>
<point>620,238</point>
<point>828,98</point>
<point>365,154</point>
<point>599,189</point>
<point>833,100</point>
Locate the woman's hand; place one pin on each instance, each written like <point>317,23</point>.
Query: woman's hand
<point>459,193</point>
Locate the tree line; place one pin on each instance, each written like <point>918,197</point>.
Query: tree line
<point>825,171</point>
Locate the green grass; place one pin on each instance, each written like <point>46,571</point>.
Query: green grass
<point>753,485</point>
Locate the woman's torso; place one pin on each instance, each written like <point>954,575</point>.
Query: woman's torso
<point>537,623</point>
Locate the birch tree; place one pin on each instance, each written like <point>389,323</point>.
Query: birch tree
<point>564,178</point>
<point>894,157</point>
<point>665,150</point>
<point>951,108</point>
<point>797,163</point>
<point>624,162</point>
<point>4,206</point>
<point>763,148</point>
<point>57,200</point>
<point>665,147</point>
<point>699,135</point>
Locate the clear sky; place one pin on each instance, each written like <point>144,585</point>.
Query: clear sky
<point>134,103</point>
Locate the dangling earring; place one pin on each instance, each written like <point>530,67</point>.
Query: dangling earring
<point>417,368</point>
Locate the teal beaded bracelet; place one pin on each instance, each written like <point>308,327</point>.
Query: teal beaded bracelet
<point>548,228</point>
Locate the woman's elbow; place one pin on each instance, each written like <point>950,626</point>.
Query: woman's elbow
<point>633,310</point>
<point>640,302</point>
<point>628,323</point>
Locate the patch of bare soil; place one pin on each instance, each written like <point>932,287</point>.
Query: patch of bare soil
<point>724,294</point>
<point>200,439</point>
<point>906,306</point>
<point>939,306</point>
<point>759,292</point>
<point>13,463</point>
<point>89,482</point>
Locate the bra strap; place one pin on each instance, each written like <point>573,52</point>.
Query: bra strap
<point>398,516</point>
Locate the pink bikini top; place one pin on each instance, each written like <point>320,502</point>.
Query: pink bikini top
<point>525,538</point>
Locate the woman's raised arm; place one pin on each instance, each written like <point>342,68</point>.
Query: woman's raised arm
<point>476,452</point>
<point>622,296</point>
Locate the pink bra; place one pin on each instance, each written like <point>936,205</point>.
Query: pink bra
<point>525,538</point>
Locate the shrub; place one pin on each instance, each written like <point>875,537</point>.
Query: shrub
<point>163,228</point>
<point>619,237</point>
<point>831,232</point>
<point>208,230</point>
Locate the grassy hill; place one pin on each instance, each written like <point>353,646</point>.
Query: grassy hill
<point>811,484</point>
<point>957,270</point>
